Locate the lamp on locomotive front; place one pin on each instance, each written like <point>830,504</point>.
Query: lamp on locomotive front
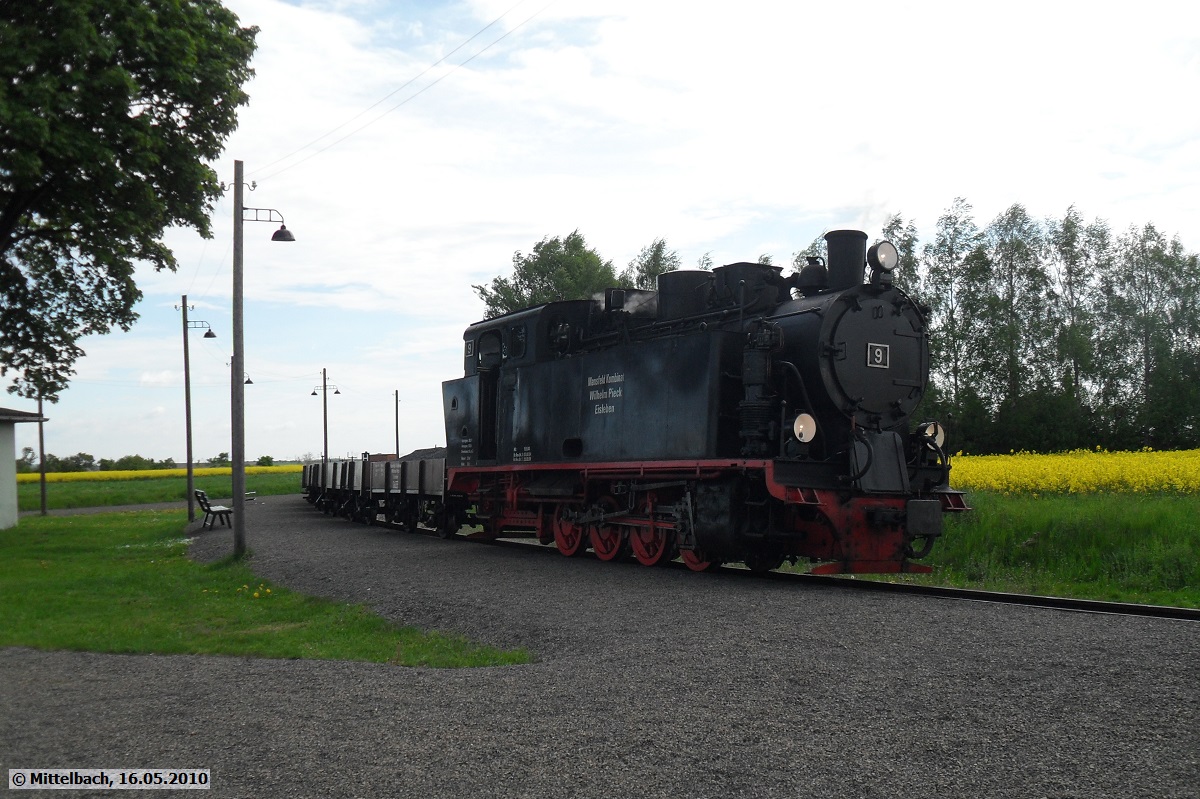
<point>883,258</point>
<point>804,428</point>
<point>934,432</point>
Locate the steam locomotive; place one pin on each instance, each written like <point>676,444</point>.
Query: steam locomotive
<point>732,415</point>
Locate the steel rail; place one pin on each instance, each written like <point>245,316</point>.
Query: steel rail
<point>997,597</point>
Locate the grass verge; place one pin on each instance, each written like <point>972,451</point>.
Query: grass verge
<point>107,493</point>
<point>1142,548</point>
<point>122,582</point>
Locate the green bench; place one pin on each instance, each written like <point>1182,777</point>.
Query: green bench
<point>213,513</point>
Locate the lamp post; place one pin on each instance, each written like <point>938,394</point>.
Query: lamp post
<point>187,400</point>
<point>324,389</point>
<point>238,388</point>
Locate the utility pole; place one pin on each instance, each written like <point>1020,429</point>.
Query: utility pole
<point>42,452</point>
<point>187,416</point>
<point>237,388</point>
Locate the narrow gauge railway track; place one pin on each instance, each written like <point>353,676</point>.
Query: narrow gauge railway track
<point>854,584</point>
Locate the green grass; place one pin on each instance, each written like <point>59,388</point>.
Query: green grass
<point>122,582</point>
<point>1142,548</point>
<point>98,493</point>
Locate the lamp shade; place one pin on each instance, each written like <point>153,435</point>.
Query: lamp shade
<point>283,234</point>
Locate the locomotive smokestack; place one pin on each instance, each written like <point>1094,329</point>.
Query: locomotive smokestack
<point>847,258</point>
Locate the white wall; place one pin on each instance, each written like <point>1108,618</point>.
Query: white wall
<point>8,475</point>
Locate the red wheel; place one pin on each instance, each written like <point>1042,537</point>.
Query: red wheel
<point>696,561</point>
<point>568,536</point>
<point>608,540</point>
<point>651,545</point>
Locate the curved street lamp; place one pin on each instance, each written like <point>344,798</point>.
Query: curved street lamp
<point>238,388</point>
<point>187,398</point>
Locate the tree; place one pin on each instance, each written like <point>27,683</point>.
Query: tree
<point>27,461</point>
<point>134,463</point>
<point>108,112</point>
<point>557,269</point>
<point>904,235</point>
<point>816,249</point>
<point>79,462</point>
<point>1078,255</point>
<point>265,460</point>
<point>221,460</point>
<point>956,238</point>
<point>1149,331</point>
<point>1011,346</point>
<point>652,261</point>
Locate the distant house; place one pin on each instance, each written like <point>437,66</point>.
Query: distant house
<point>8,462</point>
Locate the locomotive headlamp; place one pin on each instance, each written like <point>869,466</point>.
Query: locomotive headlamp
<point>934,431</point>
<point>883,256</point>
<point>805,428</point>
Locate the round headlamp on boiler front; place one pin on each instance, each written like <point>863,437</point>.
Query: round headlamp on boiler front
<point>804,427</point>
<point>883,256</point>
<point>934,432</point>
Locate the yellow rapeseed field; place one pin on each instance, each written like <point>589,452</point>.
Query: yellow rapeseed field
<point>1080,472</point>
<point>150,474</point>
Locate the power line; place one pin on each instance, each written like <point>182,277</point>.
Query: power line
<point>408,99</point>
<point>389,94</point>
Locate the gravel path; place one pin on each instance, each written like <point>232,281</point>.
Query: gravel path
<point>648,683</point>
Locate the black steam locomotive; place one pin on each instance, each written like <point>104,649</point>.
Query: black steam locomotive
<point>732,415</point>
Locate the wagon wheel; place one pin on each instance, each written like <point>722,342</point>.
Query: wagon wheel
<point>448,523</point>
<point>696,560</point>
<point>651,545</point>
<point>568,536</point>
<point>608,540</point>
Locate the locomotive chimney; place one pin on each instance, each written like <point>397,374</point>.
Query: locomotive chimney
<point>847,258</point>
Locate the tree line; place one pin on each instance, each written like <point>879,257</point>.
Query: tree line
<point>1057,334</point>
<point>1046,334</point>
<point>83,462</point>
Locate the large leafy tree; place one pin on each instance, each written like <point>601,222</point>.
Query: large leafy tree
<point>652,261</point>
<point>946,285</point>
<point>1150,337</point>
<point>903,233</point>
<point>109,113</point>
<point>1079,253</point>
<point>557,269</point>
<point>1010,345</point>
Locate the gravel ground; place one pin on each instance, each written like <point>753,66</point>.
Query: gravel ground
<point>647,683</point>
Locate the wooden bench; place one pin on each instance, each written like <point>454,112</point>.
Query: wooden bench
<point>213,513</point>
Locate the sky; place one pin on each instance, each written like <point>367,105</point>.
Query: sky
<point>414,146</point>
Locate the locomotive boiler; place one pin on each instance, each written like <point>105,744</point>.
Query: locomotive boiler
<point>731,415</point>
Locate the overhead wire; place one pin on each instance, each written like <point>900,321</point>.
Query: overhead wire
<point>366,110</point>
<point>413,96</point>
<point>399,88</point>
